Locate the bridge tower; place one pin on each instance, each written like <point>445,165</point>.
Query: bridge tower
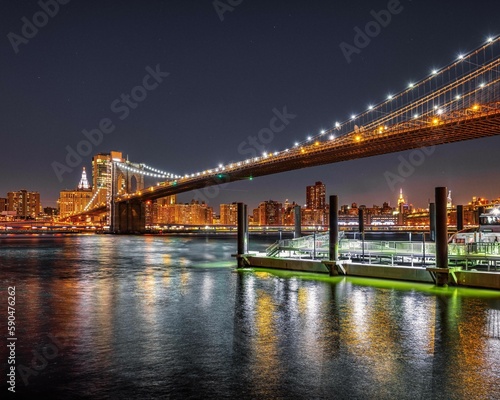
<point>128,216</point>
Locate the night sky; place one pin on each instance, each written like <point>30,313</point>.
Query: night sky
<point>225,78</point>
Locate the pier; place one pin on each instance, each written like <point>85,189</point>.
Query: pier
<point>475,264</point>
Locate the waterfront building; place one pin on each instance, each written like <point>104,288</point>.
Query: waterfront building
<point>101,177</point>
<point>75,200</point>
<point>229,214</point>
<point>270,213</point>
<point>25,204</point>
<point>194,213</point>
<point>316,196</point>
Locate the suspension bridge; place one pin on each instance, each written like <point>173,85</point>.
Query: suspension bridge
<point>460,101</point>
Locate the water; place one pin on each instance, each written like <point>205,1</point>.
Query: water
<point>145,317</point>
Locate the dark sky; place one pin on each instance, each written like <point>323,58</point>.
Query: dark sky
<point>226,77</point>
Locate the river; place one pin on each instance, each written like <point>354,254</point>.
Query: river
<point>145,317</point>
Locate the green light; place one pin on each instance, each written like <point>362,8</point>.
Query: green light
<point>220,175</point>
<point>174,183</point>
<point>251,177</point>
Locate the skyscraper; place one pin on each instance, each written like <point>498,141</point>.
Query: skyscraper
<point>315,196</point>
<point>75,200</point>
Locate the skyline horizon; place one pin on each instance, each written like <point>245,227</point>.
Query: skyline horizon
<point>187,197</point>
<point>181,101</point>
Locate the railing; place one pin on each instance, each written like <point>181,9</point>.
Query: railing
<point>317,246</point>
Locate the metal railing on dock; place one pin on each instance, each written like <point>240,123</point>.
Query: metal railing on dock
<point>479,254</point>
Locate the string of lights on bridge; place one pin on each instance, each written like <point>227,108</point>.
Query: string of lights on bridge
<point>156,173</point>
<point>388,108</point>
<point>338,128</point>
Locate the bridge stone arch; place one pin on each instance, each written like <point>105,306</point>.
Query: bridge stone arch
<point>126,181</point>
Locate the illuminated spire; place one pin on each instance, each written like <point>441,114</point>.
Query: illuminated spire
<point>401,199</point>
<point>449,202</point>
<point>84,183</point>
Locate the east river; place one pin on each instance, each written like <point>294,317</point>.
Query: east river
<point>146,317</point>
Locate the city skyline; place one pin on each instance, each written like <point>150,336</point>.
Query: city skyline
<point>203,113</point>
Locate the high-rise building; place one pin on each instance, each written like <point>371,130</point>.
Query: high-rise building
<point>229,214</point>
<point>101,174</point>
<point>316,196</point>
<point>194,213</point>
<point>25,204</point>
<point>75,200</point>
<point>270,213</point>
<point>3,204</point>
<point>161,209</point>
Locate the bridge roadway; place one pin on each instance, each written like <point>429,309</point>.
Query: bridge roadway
<point>468,125</point>
<point>465,124</point>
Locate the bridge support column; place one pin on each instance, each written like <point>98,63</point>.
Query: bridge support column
<point>242,234</point>
<point>298,222</point>
<point>130,217</point>
<point>333,244</point>
<point>460,218</point>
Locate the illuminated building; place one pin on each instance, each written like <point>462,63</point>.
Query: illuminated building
<point>315,211</point>
<point>315,196</point>
<point>160,209</point>
<point>194,213</point>
<point>3,204</point>
<point>229,214</point>
<point>25,204</point>
<point>270,213</point>
<point>100,174</point>
<point>74,201</point>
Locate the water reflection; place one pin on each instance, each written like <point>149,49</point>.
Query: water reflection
<point>150,317</point>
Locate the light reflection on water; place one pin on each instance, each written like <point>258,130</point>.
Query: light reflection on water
<point>154,317</point>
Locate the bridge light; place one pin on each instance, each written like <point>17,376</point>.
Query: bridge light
<point>337,125</point>
<point>316,143</point>
<point>381,129</point>
<point>434,71</point>
<point>460,56</point>
<point>309,138</point>
<point>296,144</point>
<point>435,121</point>
<point>411,85</point>
<point>353,116</point>
<point>482,85</point>
<point>302,150</point>
<point>475,107</point>
<point>323,132</point>
<point>331,137</point>
<point>357,138</point>
<point>370,107</point>
<point>416,116</point>
<point>439,112</point>
<point>490,39</point>
<point>390,97</point>
<point>457,97</point>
